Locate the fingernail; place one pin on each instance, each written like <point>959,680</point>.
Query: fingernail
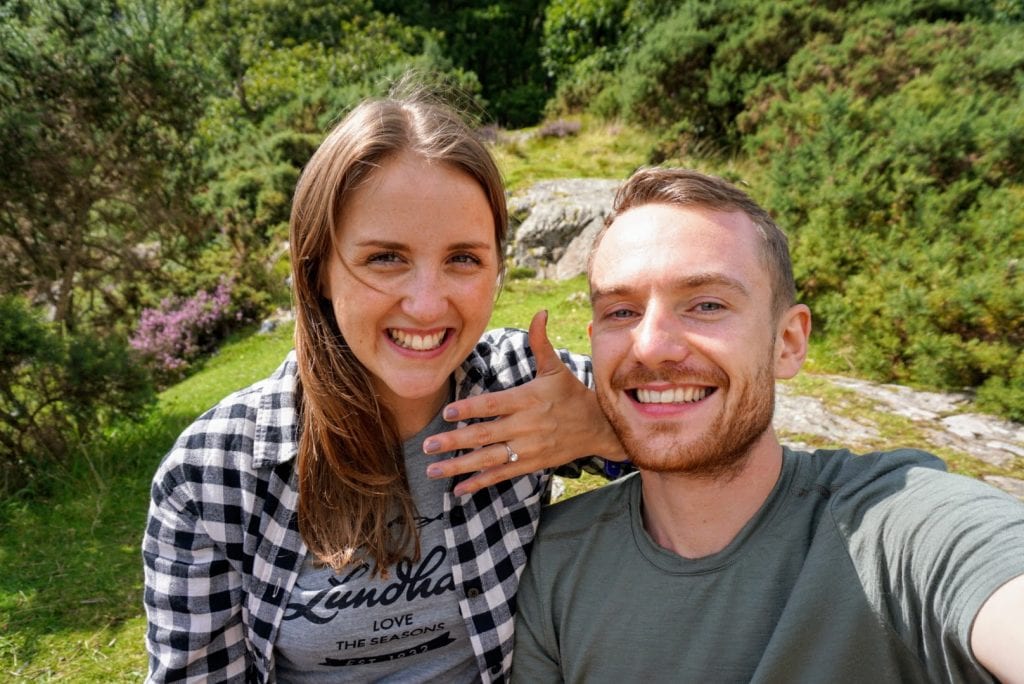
<point>450,413</point>
<point>459,490</point>
<point>430,446</point>
<point>434,470</point>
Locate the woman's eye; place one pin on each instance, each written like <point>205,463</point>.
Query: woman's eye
<point>466,259</point>
<point>383,258</point>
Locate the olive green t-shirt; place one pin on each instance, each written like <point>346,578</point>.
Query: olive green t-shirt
<point>856,569</point>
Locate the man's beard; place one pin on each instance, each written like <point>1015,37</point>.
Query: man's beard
<point>722,449</point>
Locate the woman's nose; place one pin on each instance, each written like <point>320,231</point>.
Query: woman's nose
<point>426,296</point>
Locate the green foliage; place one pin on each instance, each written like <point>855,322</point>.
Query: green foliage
<point>56,393</point>
<point>894,159</point>
<point>497,41</point>
<point>885,136</point>
<point>575,29</point>
<point>97,105</point>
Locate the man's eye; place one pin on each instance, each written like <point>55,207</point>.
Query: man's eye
<point>621,313</point>
<point>709,307</point>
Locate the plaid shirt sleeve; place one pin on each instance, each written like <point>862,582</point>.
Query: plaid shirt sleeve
<point>193,550</point>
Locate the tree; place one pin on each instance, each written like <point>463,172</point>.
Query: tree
<point>498,41</point>
<point>98,104</point>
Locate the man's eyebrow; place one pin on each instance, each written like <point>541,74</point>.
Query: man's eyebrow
<point>690,282</point>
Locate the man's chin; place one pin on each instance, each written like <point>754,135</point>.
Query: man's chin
<point>707,456</point>
<point>707,467</point>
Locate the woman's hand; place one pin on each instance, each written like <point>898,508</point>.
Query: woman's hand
<point>549,421</point>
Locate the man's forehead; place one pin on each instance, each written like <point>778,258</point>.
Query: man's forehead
<point>657,233</point>
<point>678,248</point>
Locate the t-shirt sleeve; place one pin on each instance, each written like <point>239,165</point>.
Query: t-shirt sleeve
<point>931,548</point>
<point>535,656</point>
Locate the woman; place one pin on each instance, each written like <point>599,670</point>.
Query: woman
<point>293,530</point>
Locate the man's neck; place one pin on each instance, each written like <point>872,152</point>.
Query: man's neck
<point>696,517</point>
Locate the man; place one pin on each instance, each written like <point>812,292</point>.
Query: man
<point>729,558</point>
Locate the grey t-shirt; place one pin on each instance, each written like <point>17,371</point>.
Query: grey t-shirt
<point>856,569</point>
<point>407,628</point>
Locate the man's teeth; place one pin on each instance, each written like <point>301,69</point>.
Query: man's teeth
<point>676,395</point>
<point>416,342</point>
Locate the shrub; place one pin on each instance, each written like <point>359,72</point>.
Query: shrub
<point>177,332</point>
<point>893,160</point>
<point>56,392</point>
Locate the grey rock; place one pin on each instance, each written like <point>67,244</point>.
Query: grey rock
<point>554,223</point>
<point>806,423</point>
<point>807,417</point>
<point>269,324</point>
<point>904,401</point>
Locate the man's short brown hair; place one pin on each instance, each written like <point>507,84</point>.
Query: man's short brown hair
<point>688,188</point>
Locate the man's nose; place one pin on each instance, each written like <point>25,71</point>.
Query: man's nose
<point>659,337</point>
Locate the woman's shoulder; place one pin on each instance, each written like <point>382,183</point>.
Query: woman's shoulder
<point>246,429</point>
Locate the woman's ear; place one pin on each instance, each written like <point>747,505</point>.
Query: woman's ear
<point>791,337</point>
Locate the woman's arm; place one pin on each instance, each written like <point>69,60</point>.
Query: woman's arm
<point>547,422</point>
<point>194,625</point>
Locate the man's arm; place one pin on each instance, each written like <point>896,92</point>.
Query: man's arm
<point>536,648</point>
<point>997,637</point>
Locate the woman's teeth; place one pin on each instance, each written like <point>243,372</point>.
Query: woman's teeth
<point>416,342</point>
<point>676,395</point>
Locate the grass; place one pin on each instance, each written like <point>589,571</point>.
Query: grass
<point>567,304</point>
<point>71,590</point>
<point>599,150</point>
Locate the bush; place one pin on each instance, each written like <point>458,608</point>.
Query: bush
<point>57,392</point>
<point>894,161</point>
<point>170,337</point>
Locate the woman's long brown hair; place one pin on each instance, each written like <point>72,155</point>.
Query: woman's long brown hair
<point>351,472</point>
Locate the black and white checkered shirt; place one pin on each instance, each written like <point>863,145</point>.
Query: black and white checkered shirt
<point>222,549</point>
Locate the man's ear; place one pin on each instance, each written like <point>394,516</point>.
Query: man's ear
<point>791,336</point>
<point>590,330</point>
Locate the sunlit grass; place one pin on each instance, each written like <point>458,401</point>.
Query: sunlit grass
<point>71,590</point>
<point>598,150</point>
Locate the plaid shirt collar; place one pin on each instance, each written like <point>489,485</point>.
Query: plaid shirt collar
<point>277,427</point>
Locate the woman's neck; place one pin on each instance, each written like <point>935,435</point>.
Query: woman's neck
<point>412,415</point>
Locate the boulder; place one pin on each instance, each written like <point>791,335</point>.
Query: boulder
<point>553,223</point>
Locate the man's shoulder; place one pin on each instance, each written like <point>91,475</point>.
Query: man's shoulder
<point>909,483</point>
<point>843,470</point>
<point>585,514</point>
